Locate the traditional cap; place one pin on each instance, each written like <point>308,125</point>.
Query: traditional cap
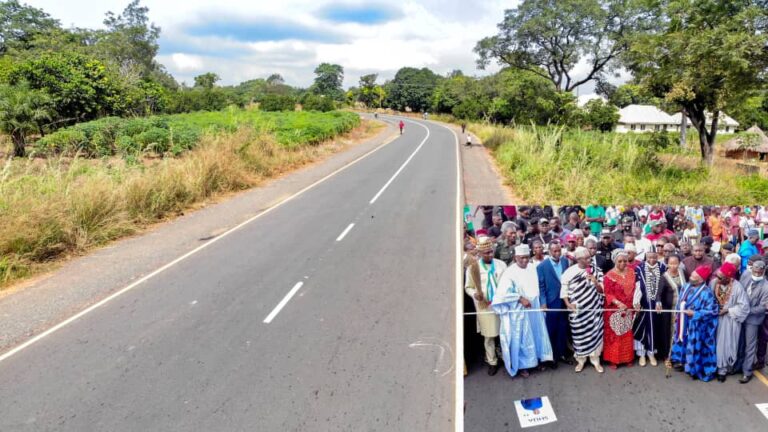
<point>642,213</point>
<point>482,232</point>
<point>733,258</point>
<point>753,233</point>
<point>704,271</point>
<point>728,270</point>
<point>484,244</point>
<point>654,222</point>
<point>617,253</point>
<point>581,252</point>
<point>522,250</point>
<point>570,237</point>
<point>630,247</point>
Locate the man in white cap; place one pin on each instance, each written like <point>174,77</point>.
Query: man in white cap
<point>481,284</point>
<point>524,338</point>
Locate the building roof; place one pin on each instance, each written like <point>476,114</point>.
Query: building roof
<point>644,114</point>
<point>725,120</point>
<point>760,145</point>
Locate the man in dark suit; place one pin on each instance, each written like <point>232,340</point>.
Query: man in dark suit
<point>549,271</point>
<point>598,260</point>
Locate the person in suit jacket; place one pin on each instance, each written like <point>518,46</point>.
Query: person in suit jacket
<point>549,272</point>
<point>598,261</point>
<point>754,283</point>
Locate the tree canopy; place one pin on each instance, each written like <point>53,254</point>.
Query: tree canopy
<point>550,37</point>
<point>705,56</point>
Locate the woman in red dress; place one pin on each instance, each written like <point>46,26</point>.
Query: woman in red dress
<point>619,292</point>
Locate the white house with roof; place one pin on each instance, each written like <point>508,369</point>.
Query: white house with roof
<point>644,118</point>
<point>648,118</point>
<point>725,124</point>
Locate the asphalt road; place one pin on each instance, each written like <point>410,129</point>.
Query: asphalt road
<point>364,344</point>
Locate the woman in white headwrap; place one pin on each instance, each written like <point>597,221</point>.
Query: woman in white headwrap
<point>582,291</point>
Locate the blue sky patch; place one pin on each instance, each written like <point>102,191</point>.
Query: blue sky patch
<point>261,30</point>
<point>360,14</point>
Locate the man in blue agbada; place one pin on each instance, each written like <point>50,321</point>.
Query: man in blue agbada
<point>523,332</point>
<point>695,338</point>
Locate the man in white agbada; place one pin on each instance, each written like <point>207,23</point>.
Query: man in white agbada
<point>523,334</point>
<point>484,273</point>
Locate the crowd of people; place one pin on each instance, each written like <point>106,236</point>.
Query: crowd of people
<point>615,285</point>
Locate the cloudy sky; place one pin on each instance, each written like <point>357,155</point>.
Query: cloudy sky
<point>246,39</point>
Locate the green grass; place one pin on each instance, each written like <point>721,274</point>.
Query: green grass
<point>59,206</point>
<point>174,134</point>
<point>558,165</point>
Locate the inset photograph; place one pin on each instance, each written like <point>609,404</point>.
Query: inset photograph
<point>573,312</point>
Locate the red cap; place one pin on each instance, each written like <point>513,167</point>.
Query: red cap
<point>570,237</point>
<point>728,270</point>
<point>481,232</point>
<point>704,271</point>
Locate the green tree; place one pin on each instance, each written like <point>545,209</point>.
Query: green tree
<point>368,92</point>
<point>601,116</point>
<point>631,94</point>
<point>276,102</point>
<point>23,111</point>
<point>411,88</point>
<point>315,102</point>
<point>275,79</point>
<point>523,97</point>
<point>21,24</point>
<point>206,80</point>
<point>328,81</point>
<point>81,87</point>
<point>549,37</point>
<point>130,42</point>
<point>714,54</point>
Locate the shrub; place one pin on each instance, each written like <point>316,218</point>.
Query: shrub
<point>318,103</point>
<point>276,102</point>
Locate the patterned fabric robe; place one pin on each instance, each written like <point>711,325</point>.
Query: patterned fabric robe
<point>729,327</point>
<point>586,325</point>
<point>524,339</point>
<point>695,337</point>
<point>647,326</point>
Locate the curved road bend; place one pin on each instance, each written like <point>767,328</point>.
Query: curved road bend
<point>295,322</point>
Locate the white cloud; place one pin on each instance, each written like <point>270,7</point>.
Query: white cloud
<point>187,63</point>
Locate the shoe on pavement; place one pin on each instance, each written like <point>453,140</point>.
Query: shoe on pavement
<point>745,379</point>
<point>642,361</point>
<point>579,367</point>
<point>492,369</point>
<point>524,373</point>
<point>599,368</point>
<point>721,378</point>
<point>652,360</point>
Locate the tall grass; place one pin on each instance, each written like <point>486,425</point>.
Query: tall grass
<point>559,165</point>
<point>58,207</point>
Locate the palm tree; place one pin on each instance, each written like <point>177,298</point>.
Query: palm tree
<point>23,111</point>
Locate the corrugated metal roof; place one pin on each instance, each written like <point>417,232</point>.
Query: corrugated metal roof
<point>644,114</point>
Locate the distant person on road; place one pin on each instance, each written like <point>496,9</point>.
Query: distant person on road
<point>482,282</point>
<point>524,339</point>
<point>464,128</point>
<point>469,140</point>
<point>402,125</point>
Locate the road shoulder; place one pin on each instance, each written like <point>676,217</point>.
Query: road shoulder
<point>35,305</point>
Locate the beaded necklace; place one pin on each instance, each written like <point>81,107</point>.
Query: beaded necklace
<point>723,293</point>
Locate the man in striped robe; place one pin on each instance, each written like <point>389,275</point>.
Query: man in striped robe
<point>581,288</point>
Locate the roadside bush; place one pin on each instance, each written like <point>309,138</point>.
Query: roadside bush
<point>318,103</point>
<point>276,102</point>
